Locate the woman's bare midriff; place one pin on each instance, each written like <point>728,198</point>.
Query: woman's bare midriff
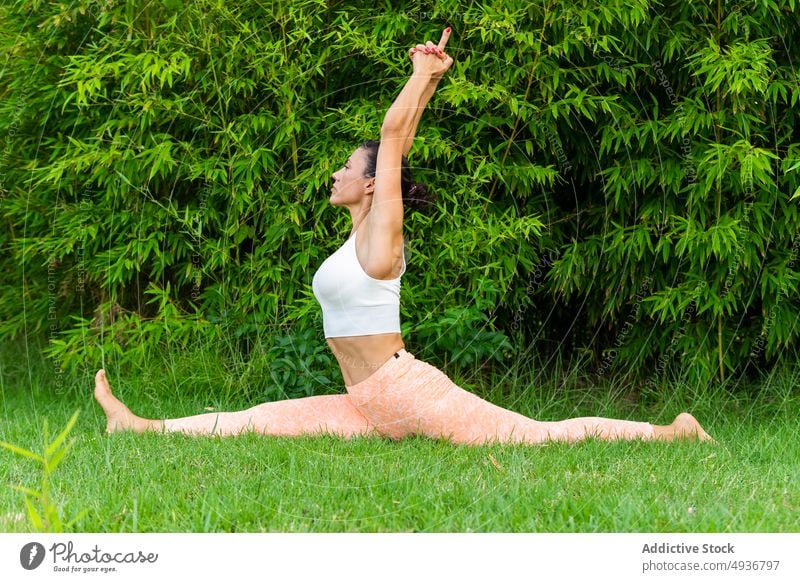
<point>360,356</point>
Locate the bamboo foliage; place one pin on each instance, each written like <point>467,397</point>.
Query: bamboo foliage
<point>621,173</point>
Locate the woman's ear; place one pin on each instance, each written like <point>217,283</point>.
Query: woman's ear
<point>370,187</point>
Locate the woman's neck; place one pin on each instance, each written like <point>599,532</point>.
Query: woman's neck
<point>357,217</point>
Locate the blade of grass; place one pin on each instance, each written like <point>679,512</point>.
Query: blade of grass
<point>23,452</point>
<point>60,438</point>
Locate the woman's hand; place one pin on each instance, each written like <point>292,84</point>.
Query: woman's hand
<point>430,59</point>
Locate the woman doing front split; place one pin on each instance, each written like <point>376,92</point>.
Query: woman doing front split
<point>389,392</point>
<point>405,397</point>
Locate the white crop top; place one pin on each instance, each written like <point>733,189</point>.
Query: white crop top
<point>353,303</point>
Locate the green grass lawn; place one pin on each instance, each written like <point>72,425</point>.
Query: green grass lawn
<point>175,483</point>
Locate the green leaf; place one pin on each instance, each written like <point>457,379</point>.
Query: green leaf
<point>22,452</point>
<point>34,516</point>
<point>55,458</point>
<point>27,491</point>
<point>63,435</point>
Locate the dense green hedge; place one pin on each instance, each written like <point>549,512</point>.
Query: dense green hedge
<point>614,179</point>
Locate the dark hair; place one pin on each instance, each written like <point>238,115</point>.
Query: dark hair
<point>416,196</point>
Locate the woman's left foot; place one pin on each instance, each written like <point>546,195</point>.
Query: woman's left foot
<point>686,426</point>
<point>118,416</point>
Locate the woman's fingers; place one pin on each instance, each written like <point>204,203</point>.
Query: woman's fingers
<point>413,49</point>
<point>430,48</point>
<point>433,49</point>
<point>444,39</point>
<point>427,50</point>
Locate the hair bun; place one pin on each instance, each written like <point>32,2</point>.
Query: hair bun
<point>418,196</point>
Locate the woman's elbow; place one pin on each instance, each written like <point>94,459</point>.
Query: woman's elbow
<point>391,130</point>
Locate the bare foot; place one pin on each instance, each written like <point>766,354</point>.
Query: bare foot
<point>118,416</point>
<point>686,426</point>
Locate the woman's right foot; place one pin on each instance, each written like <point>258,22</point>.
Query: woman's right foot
<point>686,426</point>
<point>118,416</point>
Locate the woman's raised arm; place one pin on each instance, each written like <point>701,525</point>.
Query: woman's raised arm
<point>430,89</point>
<point>397,134</point>
<point>403,116</point>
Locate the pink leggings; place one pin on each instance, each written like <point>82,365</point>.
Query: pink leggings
<point>405,397</point>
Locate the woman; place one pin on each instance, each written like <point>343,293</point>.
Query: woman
<point>389,392</point>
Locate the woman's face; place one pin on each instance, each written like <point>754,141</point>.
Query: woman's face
<point>349,183</point>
